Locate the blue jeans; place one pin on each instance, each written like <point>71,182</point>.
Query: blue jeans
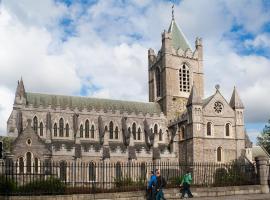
<point>160,195</point>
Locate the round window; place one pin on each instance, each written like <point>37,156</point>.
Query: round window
<point>29,142</point>
<point>218,107</point>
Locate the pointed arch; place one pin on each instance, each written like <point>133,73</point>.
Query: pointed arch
<point>36,165</point>
<point>111,130</point>
<point>81,131</point>
<point>134,130</point>
<point>35,124</point>
<point>21,165</point>
<point>116,132</point>
<point>55,130</point>
<point>86,128</point>
<point>92,171</point>
<point>92,131</point>
<point>41,129</point>
<point>160,138</point>
<point>155,129</point>
<point>158,82</point>
<point>61,127</point>
<point>67,130</point>
<point>184,78</point>
<point>28,162</point>
<point>139,134</point>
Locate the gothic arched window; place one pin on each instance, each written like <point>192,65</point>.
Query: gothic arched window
<point>158,82</point>
<point>227,129</point>
<point>55,130</point>
<point>184,79</point>
<point>219,154</point>
<point>81,131</point>
<point>134,131</point>
<point>35,124</point>
<point>63,170</point>
<point>61,127</point>
<point>21,165</point>
<point>116,132</point>
<point>67,130</point>
<point>41,129</point>
<point>160,135</point>
<point>139,134</point>
<point>87,128</point>
<point>209,128</point>
<point>36,165</point>
<point>92,131</point>
<point>111,129</point>
<point>28,162</point>
<point>118,170</point>
<point>155,129</point>
<point>92,171</point>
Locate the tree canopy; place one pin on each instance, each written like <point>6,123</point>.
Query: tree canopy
<point>264,137</point>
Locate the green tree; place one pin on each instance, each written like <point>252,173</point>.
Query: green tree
<point>264,137</point>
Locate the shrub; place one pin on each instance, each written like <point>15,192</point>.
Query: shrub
<point>48,186</point>
<point>7,185</point>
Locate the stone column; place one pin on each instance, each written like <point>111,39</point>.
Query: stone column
<point>263,172</point>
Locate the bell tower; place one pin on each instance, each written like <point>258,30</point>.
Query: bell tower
<point>173,71</point>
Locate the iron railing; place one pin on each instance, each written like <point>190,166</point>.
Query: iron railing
<point>81,177</point>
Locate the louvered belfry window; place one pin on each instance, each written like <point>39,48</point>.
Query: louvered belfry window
<point>184,79</point>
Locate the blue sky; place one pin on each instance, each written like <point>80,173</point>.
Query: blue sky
<point>90,48</point>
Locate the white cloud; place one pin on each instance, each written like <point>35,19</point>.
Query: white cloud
<point>261,41</point>
<point>106,57</point>
<point>7,98</point>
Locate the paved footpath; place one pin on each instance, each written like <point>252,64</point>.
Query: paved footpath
<point>237,197</point>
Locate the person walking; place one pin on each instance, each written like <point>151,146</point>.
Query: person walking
<point>151,187</point>
<point>186,181</point>
<point>161,183</point>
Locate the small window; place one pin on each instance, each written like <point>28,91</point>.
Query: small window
<point>35,124</point>
<point>41,129</point>
<point>28,162</point>
<point>219,154</point>
<point>209,129</point>
<point>87,128</point>
<point>116,132</point>
<point>139,134</point>
<point>92,131</point>
<point>92,171</point>
<point>134,131</point>
<point>228,127</point>
<point>36,165</point>
<point>61,127</point>
<point>155,129</point>
<point>160,135</point>
<point>67,130</point>
<point>55,130</point>
<point>111,130</point>
<point>81,131</point>
<point>21,165</point>
<point>63,171</point>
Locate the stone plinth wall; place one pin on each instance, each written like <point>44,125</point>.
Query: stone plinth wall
<point>140,195</point>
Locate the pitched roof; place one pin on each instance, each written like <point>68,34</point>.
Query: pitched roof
<point>37,99</point>
<point>235,101</point>
<point>194,98</point>
<point>179,40</point>
<point>259,151</point>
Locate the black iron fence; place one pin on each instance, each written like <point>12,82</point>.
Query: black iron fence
<point>81,177</point>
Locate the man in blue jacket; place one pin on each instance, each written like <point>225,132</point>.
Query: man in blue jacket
<point>151,187</point>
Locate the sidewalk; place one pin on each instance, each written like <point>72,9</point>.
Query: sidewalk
<point>237,197</point>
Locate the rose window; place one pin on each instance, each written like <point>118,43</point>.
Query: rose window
<point>218,107</point>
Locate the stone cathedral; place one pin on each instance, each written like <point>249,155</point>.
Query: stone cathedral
<point>178,123</point>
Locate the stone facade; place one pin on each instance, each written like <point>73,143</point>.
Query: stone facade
<point>178,124</point>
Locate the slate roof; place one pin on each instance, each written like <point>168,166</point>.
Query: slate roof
<point>179,40</point>
<point>259,151</point>
<point>44,100</point>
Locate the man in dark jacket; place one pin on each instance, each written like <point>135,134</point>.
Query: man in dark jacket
<point>161,183</point>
